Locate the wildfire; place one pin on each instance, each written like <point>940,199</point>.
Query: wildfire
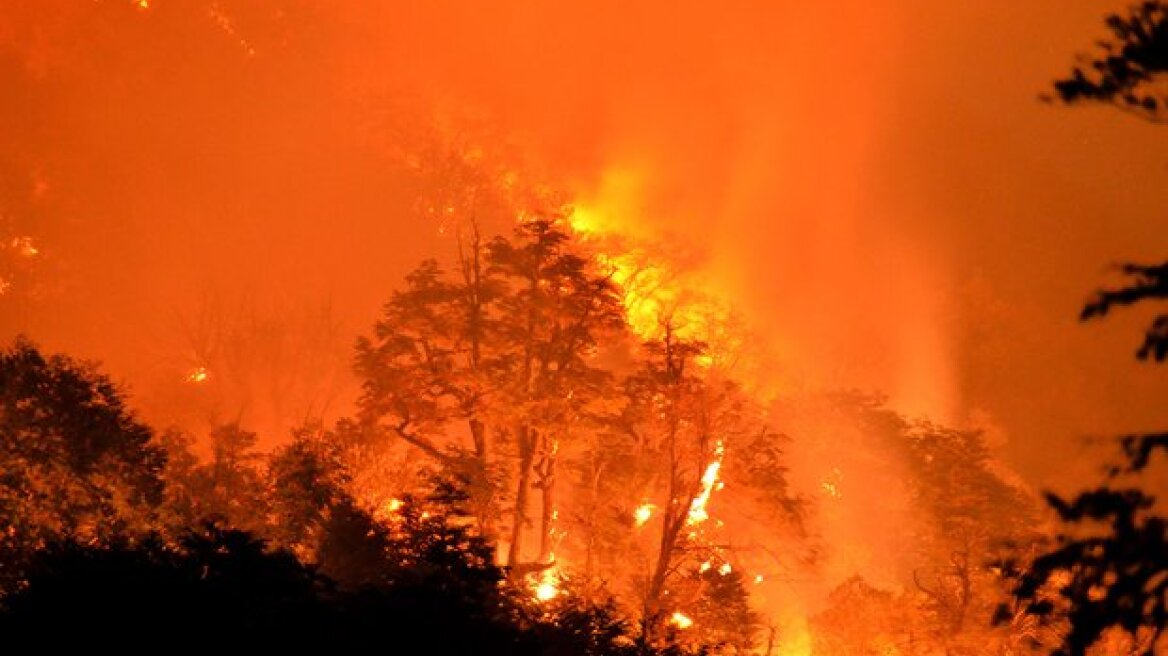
<point>680,620</point>
<point>650,285</point>
<point>643,513</point>
<point>546,591</point>
<point>710,482</point>
<point>547,587</point>
<point>388,511</point>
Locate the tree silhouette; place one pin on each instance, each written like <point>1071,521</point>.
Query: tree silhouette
<point>75,461</point>
<point>1147,283</point>
<point>230,486</point>
<point>1130,71</point>
<point>218,589</point>
<point>1110,571</point>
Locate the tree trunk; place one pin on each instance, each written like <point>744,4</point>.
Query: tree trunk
<point>547,485</point>
<point>478,432</point>
<point>526,441</point>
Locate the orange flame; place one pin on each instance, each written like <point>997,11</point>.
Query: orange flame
<point>697,509</point>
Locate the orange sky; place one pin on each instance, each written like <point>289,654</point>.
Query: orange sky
<point>876,188</point>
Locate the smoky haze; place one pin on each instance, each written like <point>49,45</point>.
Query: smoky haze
<point>877,189</point>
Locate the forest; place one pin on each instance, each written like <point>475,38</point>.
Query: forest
<point>556,436</point>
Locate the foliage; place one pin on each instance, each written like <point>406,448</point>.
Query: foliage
<point>1148,282</point>
<point>1110,571</point>
<point>230,487</point>
<point>436,591</point>
<point>720,609</point>
<point>307,478</point>
<point>862,620</point>
<point>1116,577</point>
<point>74,460</point>
<point>219,589</point>
<point>1130,71</point>
<point>485,367</point>
<point>957,518</point>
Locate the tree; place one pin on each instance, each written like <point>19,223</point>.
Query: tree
<point>957,517</point>
<point>1130,71</point>
<point>558,312</point>
<point>307,480</point>
<point>230,487</point>
<point>428,368</point>
<point>499,350</point>
<point>75,461</point>
<point>862,620</point>
<point>670,439</point>
<point>1109,571</point>
<point>218,588</point>
<point>719,605</point>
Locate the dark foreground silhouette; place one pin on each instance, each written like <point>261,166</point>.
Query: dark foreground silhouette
<point>221,591</point>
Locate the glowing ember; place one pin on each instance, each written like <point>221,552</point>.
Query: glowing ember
<point>697,509</point>
<point>388,510</point>
<point>546,591</point>
<point>725,569</point>
<point>548,585</point>
<point>643,513</point>
<point>680,620</point>
<point>757,579</point>
<point>198,375</point>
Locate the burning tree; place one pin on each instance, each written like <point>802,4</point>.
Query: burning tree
<point>932,584</point>
<point>498,351</point>
<point>561,311</point>
<point>665,451</point>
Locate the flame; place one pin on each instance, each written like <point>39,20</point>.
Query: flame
<point>725,569</point>
<point>697,509</point>
<point>648,278</point>
<point>388,510</point>
<point>547,587</point>
<point>546,591</point>
<point>643,513</point>
<point>680,620</point>
<point>198,375</point>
